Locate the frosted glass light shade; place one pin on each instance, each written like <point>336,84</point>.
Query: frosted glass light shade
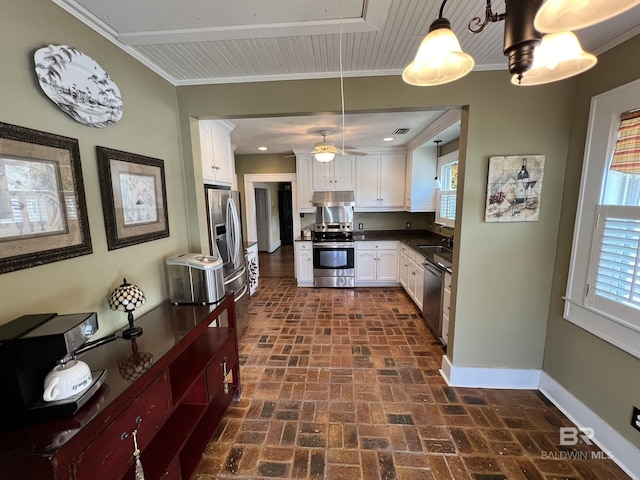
<point>439,60</point>
<point>324,156</point>
<point>558,56</point>
<point>562,15</point>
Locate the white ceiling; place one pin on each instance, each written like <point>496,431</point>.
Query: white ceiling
<point>221,41</point>
<point>192,42</point>
<point>362,131</point>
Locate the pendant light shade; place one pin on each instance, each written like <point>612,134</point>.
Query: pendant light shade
<point>562,15</point>
<point>558,56</point>
<point>440,58</point>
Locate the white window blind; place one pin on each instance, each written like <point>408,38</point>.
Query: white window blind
<point>448,204</point>
<point>614,273</point>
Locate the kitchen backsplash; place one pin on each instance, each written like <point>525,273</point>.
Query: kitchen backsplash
<point>387,221</point>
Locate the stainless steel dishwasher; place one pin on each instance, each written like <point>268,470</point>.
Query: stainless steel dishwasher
<point>432,301</point>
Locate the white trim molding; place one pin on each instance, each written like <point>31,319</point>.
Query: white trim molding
<point>475,377</point>
<point>621,451</point>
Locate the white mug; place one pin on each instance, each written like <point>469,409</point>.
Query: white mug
<point>66,380</point>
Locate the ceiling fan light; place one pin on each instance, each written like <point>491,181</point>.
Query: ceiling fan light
<point>439,60</point>
<point>562,15</point>
<point>324,156</point>
<point>558,56</point>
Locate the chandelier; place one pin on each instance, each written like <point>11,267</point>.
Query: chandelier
<point>534,58</point>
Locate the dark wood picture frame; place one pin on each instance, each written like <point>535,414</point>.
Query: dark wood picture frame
<point>134,197</point>
<point>43,212</point>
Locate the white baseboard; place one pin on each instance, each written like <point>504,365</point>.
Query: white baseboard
<point>621,451</point>
<point>274,246</point>
<point>522,379</point>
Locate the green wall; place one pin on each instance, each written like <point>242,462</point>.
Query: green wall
<point>149,127</point>
<point>503,271</point>
<point>602,376</point>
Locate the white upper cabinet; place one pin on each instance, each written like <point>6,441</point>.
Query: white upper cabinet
<point>304,175</point>
<point>338,174</point>
<point>380,182</point>
<point>421,172</point>
<point>218,165</point>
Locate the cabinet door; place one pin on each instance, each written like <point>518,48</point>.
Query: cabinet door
<point>217,156</point>
<point>322,175</point>
<point>223,161</point>
<point>404,271</point>
<point>419,284</point>
<point>206,152</point>
<point>304,263</point>
<point>343,172</point>
<point>421,172</point>
<point>392,181</point>
<point>304,174</point>
<point>387,265</point>
<point>366,265</point>
<point>367,182</point>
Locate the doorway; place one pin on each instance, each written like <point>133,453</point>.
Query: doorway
<point>281,222</point>
<point>263,218</point>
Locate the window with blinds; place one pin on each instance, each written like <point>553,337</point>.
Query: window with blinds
<point>614,283</point>
<point>603,285</point>
<point>446,206</point>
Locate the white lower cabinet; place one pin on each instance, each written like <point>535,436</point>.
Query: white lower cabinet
<point>412,274</point>
<point>304,263</point>
<point>446,307</point>
<point>376,263</point>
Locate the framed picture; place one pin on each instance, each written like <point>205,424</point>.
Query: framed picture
<point>134,197</point>
<point>43,213</point>
<point>514,188</point>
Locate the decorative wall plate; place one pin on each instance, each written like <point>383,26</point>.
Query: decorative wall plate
<point>78,85</point>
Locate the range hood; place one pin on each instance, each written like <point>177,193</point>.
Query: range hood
<point>333,199</point>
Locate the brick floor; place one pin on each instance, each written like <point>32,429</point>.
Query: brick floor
<point>344,384</point>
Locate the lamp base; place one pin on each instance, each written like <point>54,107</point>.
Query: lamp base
<point>132,332</point>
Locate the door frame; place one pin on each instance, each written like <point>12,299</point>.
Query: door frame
<point>250,199</point>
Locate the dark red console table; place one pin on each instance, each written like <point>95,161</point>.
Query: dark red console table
<point>176,403</point>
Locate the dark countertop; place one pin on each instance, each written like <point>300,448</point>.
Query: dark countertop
<point>411,238</point>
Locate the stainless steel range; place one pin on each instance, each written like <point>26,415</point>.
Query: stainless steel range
<point>333,248</point>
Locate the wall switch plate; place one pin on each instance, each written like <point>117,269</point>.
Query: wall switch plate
<point>408,224</point>
<point>635,418</point>
<point>360,226</point>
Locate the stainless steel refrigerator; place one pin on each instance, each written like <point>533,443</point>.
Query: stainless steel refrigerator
<point>225,242</point>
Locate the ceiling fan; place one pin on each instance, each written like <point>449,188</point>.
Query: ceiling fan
<point>326,151</point>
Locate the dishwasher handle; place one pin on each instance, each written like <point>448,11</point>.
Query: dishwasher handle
<point>432,269</point>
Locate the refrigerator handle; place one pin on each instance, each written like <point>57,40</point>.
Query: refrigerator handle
<point>234,230</point>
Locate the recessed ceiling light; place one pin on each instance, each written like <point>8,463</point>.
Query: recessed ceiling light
<point>388,139</point>
<point>263,149</point>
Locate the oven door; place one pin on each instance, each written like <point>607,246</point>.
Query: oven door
<point>333,259</point>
